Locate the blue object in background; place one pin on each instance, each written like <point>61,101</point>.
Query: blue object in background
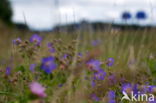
<point>141,15</point>
<point>126,15</point>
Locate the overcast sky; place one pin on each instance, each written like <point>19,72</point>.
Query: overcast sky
<point>44,14</point>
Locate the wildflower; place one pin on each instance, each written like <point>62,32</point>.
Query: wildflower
<point>50,45</point>
<point>135,88</point>
<point>95,98</point>
<point>8,71</point>
<point>36,39</point>
<point>110,62</point>
<point>51,48</point>
<point>94,65</point>
<point>111,97</point>
<point>65,56</point>
<point>48,64</point>
<point>100,75</point>
<point>127,88</point>
<point>17,41</point>
<point>151,89</point>
<point>32,67</point>
<point>37,89</point>
<point>95,42</point>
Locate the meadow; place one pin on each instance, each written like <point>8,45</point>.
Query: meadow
<point>80,67</point>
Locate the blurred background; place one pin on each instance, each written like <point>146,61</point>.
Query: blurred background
<point>49,14</point>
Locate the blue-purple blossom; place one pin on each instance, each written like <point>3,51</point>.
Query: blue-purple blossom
<point>110,62</point>
<point>94,64</point>
<point>8,71</point>
<point>51,48</point>
<point>95,98</point>
<point>111,97</point>
<point>50,45</point>
<point>32,67</point>
<point>48,64</point>
<point>65,56</point>
<point>100,75</point>
<point>135,88</point>
<point>127,87</point>
<point>151,88</point>
<point>17,41</point>
<point>95,42</point>
<point>36,39</point>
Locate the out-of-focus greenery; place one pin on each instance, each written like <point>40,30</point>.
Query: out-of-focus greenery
<point>5,12</point>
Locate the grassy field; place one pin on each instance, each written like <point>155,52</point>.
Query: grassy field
<point>83,67</point>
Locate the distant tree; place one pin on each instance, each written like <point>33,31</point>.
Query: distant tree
<point>5,12</point>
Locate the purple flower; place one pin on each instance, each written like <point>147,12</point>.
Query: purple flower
<point>95,98</point>
<point>127,88</point>
<point>37,89</point>
<point>100,75</point>
<point>36,39</point>
<point>48,64</point>
<point>151,88</point>
<point>50,45</point>
<point>51,48</point>
<point>135,88</point>
<point>65,56</point>
<point>32,67</point>
<point>94,64</point>
<point>95,42</point>
<point>8,71</point>
<point>17,41</point>
<point>111,97</point>
<point>110,62</point>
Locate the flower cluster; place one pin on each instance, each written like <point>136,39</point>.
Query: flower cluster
<point>28,48</point>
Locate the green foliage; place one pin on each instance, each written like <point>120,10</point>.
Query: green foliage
<point>5,12</point>
<point>152,66</point>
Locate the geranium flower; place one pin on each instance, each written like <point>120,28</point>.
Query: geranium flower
<point>36,39</point>
<point>48,64</point>
<point>37,89</point>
